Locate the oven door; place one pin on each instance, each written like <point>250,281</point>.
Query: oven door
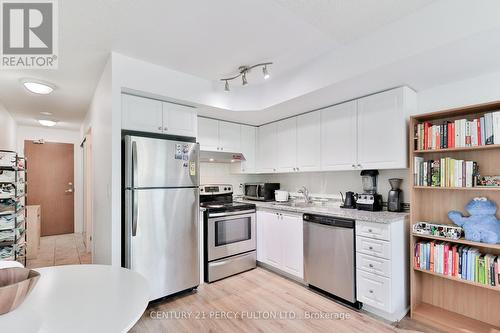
<point>230,234</point>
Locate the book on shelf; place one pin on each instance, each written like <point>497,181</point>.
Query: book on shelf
<point>445,172</point>
<point>459,133</point>
<point>458,261</point>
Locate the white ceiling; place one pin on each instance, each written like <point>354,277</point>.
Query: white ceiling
<point>84,46</point>
<point>324,50</point>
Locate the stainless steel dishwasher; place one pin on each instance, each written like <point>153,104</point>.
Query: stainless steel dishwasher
<point>329,256</point>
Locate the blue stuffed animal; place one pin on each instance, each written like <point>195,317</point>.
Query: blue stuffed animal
<point>482,224</point>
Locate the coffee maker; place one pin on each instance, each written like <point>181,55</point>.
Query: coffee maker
<point>395,196</point>
<point>369,200</point>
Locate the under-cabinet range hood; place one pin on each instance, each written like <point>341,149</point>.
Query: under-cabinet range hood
<point>220,156</point>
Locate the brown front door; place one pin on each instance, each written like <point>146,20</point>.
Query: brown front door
<point>50,184</point>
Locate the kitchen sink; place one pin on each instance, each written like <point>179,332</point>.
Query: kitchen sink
<point>296,204</point>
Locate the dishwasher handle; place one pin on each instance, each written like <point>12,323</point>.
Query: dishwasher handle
<point>329,220</point>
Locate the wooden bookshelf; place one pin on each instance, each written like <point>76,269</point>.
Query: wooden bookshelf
<point>445,150</point>
<point>439,300</point>
<point>457,188</point>
<point>491,247</point>
<point>442,276</point>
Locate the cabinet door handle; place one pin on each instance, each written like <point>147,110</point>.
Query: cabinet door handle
<point>370,247</point>
<point>359,165</point>
<point>370,230</point>
<point>160,128</point>
<point>371,291</point>
<point>165,129</point>
<point>297,169</point>
<point>370,265</point>
<point>221,148</point>
<point>354,165</point>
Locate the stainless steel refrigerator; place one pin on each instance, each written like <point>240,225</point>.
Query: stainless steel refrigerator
<point>161,208</point>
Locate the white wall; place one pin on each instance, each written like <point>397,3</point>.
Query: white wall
<point>474,90</point>
<point>220,173</point>
<point>8,129</point>
<point>99,119</point>
<point>333,182</point>
<point>60,136</point>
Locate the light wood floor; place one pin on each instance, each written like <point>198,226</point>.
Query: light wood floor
<point>259,293</point>
<point>58,250</point>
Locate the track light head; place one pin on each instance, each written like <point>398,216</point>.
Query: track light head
<point>266,73</point>
<point>226,86</point>
<point>244,79</point>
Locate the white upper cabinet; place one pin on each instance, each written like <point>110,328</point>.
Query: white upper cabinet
<point>179,120</point>
<point>338,137</point>
<point>309,142</point>
<point>382,129</point>
<point>142,114</point>
<point>153,116</point>
<point>216,135</point>
<point>229,137</point>
<point>248,146</point>
<point>286,143</point>
<point>266,148</point>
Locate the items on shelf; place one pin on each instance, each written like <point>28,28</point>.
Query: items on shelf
<point>7,176</point>
<point>482,224</point>
<point>12,205</point>
<point>488,181</point>
<point>8,159</point>
<point>484,130</point>
<point>440,230</point>
<point>458,261</point>
<point>7,191</point>
<point>445,172</point>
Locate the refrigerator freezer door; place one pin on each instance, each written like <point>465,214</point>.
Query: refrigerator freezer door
<point>157,163</point>
<point>165,249</point>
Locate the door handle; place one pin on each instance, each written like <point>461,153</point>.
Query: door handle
<point>70,189</point>
<point>134,163</point>
<point>135,206</point>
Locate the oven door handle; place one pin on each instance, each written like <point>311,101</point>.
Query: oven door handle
<point>240,212</point>
<point>258,192</point>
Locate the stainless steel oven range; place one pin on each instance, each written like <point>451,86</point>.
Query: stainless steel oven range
<point>229,233</point>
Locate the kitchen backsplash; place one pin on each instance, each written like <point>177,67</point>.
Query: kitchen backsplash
<point>328,183</point>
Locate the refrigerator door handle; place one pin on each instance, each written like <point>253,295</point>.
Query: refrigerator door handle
<point>134,163</point>
<point>135,206</point>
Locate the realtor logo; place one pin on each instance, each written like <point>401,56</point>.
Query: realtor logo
<point>29,34</point>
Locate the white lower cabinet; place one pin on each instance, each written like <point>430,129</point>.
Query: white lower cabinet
<point>382,268</point>
<point>280,241</point>
<point>373,289</point>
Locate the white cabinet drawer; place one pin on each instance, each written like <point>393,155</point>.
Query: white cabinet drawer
<point>374,247</point>
<point>373,230</point>
<point>373,264</point>
<point>374,290</point>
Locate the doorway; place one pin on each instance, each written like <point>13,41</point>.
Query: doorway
<point>51,185</point>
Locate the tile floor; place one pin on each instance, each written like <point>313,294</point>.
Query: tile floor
<point>58,250</point>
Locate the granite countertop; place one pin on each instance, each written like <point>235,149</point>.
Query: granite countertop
<point>331,210</point>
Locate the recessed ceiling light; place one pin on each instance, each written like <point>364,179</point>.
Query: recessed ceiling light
<point>38,87</point>
<point>47,122</point>
<point>211,159</point>
<point>46,113</point>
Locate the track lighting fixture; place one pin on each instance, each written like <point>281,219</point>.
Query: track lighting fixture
<point>243,70</point>
<point>265,72</point>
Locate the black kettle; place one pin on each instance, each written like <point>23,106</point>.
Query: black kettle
<point>350,200</point>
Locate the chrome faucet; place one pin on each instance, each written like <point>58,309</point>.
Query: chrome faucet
<point>305,192</point>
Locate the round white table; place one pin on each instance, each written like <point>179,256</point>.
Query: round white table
<point>81,298</point>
